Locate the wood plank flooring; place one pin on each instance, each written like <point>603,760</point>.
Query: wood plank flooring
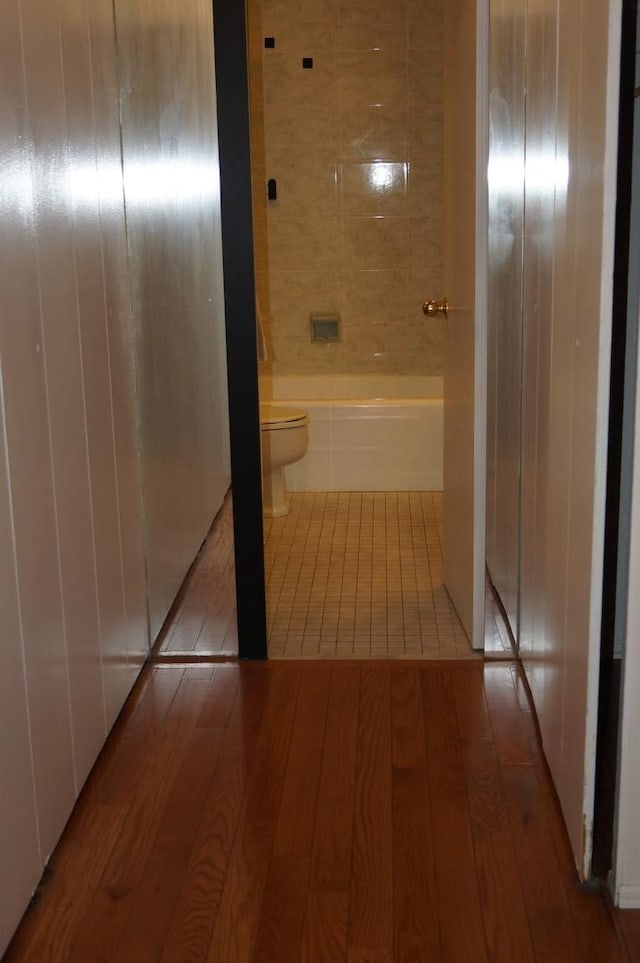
<point>320,813</point>
<point>203,621</point>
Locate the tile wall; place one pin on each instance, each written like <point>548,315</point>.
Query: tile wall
<point>255,50</point>
<point>355,145</point>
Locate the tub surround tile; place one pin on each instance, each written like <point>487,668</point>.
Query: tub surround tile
<point>294,126</point>
<point>376,296</point>
<point>375,363</point>
<point>307,358</point>
<point>364,344</point>
<point>307,183</point>
<point>355,144</point>
<point>427,281</point>
<point>425,133</point>
<point>257,134</point>
<point>373,243</point>
<point>361,24</point>
<point>425,80</point>
<point>294,294</point>
<point>369,77</point>
<point>296,242</point>
<point>374,188</point>
<point>373,133</point>
<point>425,26</point>
<point>426,243</point>
<point>300,106</point>
<point>294,22</point>
<point>429,340</point>
<point>424,190</point>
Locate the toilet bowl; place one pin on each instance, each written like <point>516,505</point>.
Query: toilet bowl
<point>284,438</point>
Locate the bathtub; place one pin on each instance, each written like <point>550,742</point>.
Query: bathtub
<point>378,433</point>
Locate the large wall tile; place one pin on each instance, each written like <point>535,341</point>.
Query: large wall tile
<point>378,187</point>
<point>373,133</point>
<point>426,281</point>
<point>304,357</point>
<point>425,26</point>
<point>425,130</point>
<point>307,182</point>
<point>297,243</point>
<point>300,105</point>
<point>375,242</point>
<point>367,120</point>
<point>425,242</point>
<point>381,296</point>
<point>367,77</point>
<point>362,24</point>
<point>293,23</point>
<point>297,293</point>
<point>424,188</point>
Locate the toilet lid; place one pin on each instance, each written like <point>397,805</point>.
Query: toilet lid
<point>274,415</point>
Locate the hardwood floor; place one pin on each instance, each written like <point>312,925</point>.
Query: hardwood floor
<point>320,813</point>
<point>202,622</point>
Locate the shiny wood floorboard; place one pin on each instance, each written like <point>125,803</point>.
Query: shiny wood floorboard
<point>321,813</point>
<point>202,621</point>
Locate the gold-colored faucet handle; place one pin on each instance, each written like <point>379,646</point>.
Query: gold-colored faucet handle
<point>431,308</point>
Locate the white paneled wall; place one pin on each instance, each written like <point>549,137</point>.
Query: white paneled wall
<point>507,81</point>
<point>20,862</point>
<point>572,81</point>
<point>171,173</point>
<point>72,563</point>
<point>72,590</point>
<point>542,57</point>
<point>30,489</point>
<point>117,343</point>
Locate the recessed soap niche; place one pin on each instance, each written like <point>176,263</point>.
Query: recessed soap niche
<point>324,327</point>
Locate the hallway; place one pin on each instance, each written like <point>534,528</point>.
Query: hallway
<point>285,812</point>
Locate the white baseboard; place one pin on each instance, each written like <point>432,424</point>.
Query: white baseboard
<point>627,896</point>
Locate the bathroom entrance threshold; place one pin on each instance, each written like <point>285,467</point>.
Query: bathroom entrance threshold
<point>349,576</point>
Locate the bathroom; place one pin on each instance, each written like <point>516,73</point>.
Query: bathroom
<point>347,143</point>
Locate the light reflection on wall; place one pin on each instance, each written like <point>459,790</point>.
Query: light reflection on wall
<point>543,172</point>
<point>382,177</point>
<point>17,193</point>
<point>156,182</point>
<point>85,185</point>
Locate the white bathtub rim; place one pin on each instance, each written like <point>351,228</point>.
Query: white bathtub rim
<point>361,388</point>
<point>355,403</point>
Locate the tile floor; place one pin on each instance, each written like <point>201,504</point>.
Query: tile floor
<point>359,574</point>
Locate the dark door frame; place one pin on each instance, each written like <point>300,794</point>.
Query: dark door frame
<point>239,296</point>
<point>615,567</point>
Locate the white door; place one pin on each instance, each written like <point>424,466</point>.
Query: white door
<point>465,153</point>
<point>573,76</point>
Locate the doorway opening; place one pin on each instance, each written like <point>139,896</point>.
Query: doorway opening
<point>347,153</point>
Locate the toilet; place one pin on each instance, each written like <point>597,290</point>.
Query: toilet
<point>284,437</point>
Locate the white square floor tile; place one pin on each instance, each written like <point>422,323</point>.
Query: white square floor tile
<point>359,574</point>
